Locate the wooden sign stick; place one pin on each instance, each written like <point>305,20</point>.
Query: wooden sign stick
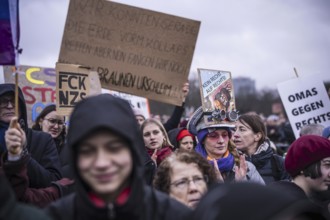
<point>295,71</point>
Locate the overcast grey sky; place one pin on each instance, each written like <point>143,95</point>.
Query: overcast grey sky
<point>257,38</point>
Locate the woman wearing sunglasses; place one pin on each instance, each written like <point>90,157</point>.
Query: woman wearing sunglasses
<point>215,145</point>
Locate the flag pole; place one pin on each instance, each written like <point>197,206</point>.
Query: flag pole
<point>16,93</point>
<point>295,71</point>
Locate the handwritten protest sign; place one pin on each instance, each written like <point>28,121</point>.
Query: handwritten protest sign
<point>217,92</point>
<point>72,85</point>
<point>134,50</point>
<point>38,86</point>
<point>305,101</point>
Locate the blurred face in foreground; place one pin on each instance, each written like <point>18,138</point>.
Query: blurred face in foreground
<point>188,184</point>
<point>105,163</point>
<point>216,143</point>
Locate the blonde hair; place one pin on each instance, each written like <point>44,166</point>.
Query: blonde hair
<point>148,121</point>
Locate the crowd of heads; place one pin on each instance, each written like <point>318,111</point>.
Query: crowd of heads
<point>114,151</point>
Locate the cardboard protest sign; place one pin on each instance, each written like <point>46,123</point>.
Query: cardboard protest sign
<point>134,50</point>
<point>38,86</point>
<point>305,101</point>
<point>217,93</point>
<point>137,103</point>
<point>72,85</point>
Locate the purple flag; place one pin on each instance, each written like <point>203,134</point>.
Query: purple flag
<point>9,31</point>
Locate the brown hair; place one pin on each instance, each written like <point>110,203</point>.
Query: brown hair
<point>313,170</point>
<point>256,124</point>
<point>36,126</point>
<point>161,127</point>
<point>162,179</point>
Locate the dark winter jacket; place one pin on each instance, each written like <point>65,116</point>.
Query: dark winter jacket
<point>252,201</point>
<point>16,173</point>
<point>10,209</point>
<point>44,165</point>
<point>62,150</point>
<point>296,192</point>
<point>269,165</point>
<point>64,155</point>
<point>291,188</point>
<point>143,202</point>
<point>174,120</point>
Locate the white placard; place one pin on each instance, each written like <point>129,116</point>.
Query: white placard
<point>305,101</point>
<point>137,103</point>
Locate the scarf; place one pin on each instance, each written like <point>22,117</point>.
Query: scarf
<point>261,156</point>
<point>120,200</point>
<point>161,153</point>
<point>225,164</point>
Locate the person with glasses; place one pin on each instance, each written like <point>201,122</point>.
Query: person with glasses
<point>51,122</point>
<point>185,176</point>
<point>36,148</point>
<point>16,171</point>
<point>215,145</point>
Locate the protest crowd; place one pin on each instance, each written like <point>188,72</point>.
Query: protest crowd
<point>88,154</point>
<point>113,163</point>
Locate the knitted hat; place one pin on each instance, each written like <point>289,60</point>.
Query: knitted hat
<point>326,132</point>
<point>183,133</point>
<point>304,151</point>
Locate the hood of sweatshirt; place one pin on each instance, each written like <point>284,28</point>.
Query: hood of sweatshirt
<point>10,88</point>
<point>112,113</point>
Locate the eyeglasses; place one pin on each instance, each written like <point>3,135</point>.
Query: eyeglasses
<point>53,121</point>
<point>184,183</point>
<point>221,115</point>
<point>5,100</point>
<point>214,135</point>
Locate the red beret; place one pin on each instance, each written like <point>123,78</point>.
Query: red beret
<point>183,133</point>
<point>304,151</point>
